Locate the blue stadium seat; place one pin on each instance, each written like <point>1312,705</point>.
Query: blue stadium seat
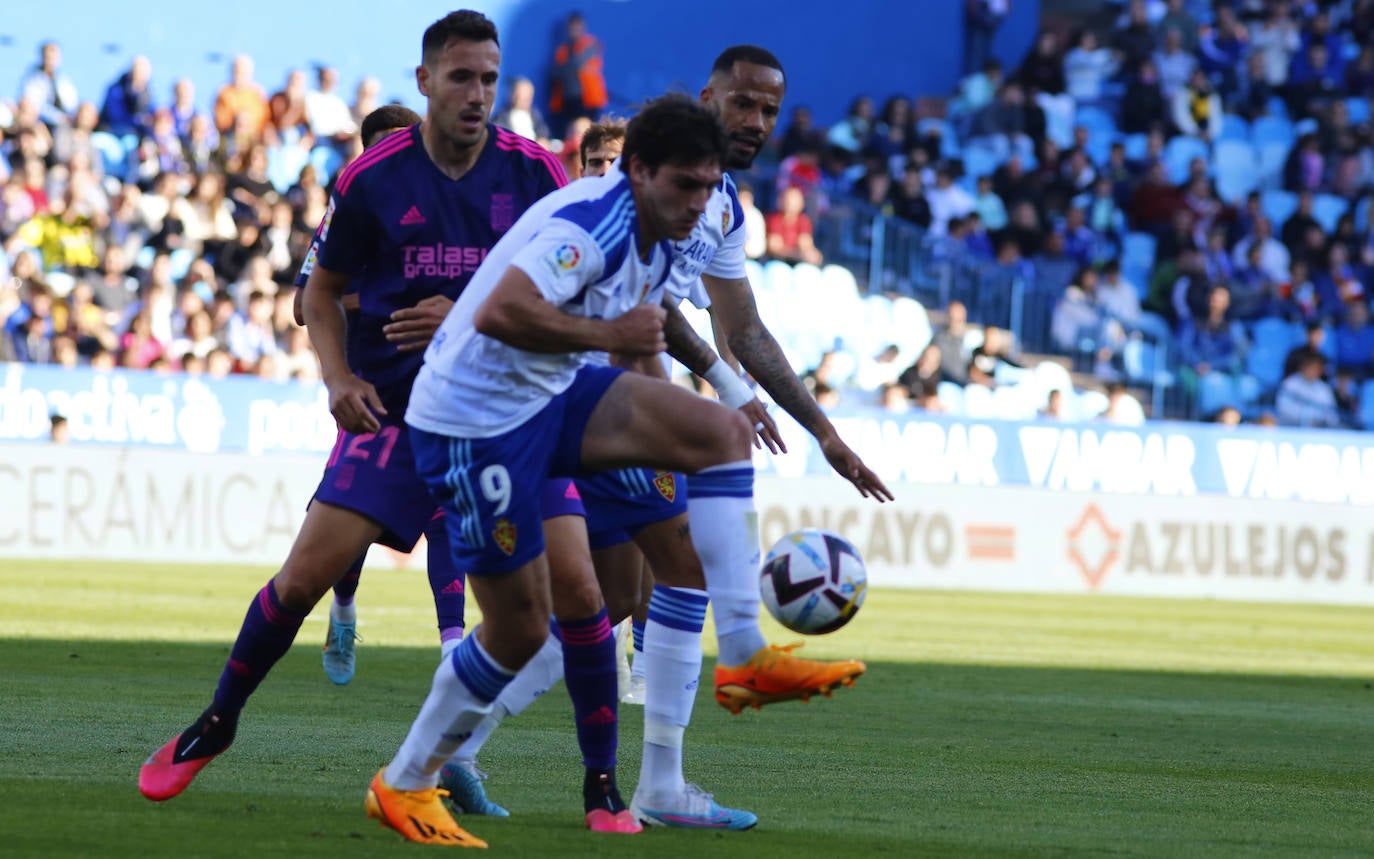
<point>979,402</point>
<point>1362,214</point>
<point>1136,146</point>
<point>1089,405</point>
<point>1138,248</point>
<point>910,325</point>
<point>284,165</point>
<point>181,260</point>
<point>980,160</point>
<point>949,138</point>
<point>753,270</point>
<point>1272,129</point>
<point>1215,391</point>
<point>1272,156</point>
<point>327,161</point>
<point>1234,127</point>
<point>1145,364</point>
<point>1278,206</point>
<point>1358,110</point>
<point>1096,120</point>
<point>114,157</point>
<point>1327,209</point>
<point>1236,167</point>
<point>1264,363</point>
<point>1366,413</point>
<point>1306,125</point>
<point>1179,153</point>
<point>779,276</point>
<point>1155,327</point>
<point>951,395</point>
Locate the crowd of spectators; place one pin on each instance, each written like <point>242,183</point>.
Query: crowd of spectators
<point>1180,174</point>
<point>158,232</point>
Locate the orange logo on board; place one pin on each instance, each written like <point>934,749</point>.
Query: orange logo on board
<point>666,484</point>
<point>504,534</point>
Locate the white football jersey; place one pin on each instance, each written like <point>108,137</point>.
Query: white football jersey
<point>715,247</point>
<point>580,247</point>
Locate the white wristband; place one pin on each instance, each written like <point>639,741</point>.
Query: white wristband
<point>731,389</point>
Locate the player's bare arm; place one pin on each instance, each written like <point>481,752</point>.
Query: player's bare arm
<point>697,356</point>
<point>353,402</point>
<point>733,308</point>
<point>518,315</point>
<point>350,304</point>
<point>411,328</point>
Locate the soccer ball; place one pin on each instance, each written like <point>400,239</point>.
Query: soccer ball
<point>813,581</point>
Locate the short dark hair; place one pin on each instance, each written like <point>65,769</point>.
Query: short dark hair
<point>465,24</point>
<point>599,134</point>
<point>674,129</point>
<point>747,54</point>
<point>385,118</point>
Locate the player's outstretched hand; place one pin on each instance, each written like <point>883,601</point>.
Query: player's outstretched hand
<point>411,328</point>
<point>851,468</point>
<point>640,330</point>
<point>765,431</point>
<point>355,405</point>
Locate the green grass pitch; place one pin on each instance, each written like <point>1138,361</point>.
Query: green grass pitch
<point>987,725</point>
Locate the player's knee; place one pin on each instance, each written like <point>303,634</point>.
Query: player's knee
<point>575,598</point>
<point>736,437</point>
<point>619,604</point>
<point>298,589</point>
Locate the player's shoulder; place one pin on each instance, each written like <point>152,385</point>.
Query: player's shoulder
<point>373,161</point>
<point>527,155</point>
<point>602,206</point>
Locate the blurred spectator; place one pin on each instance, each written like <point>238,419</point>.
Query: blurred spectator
<point>1135,41</point>
<point>878,370</point>
<point>1054,406</point>
<point>981,20</point>
<point>48,88</point>
<point>927,399</point>
<point>1355,341</point>
<point>800,133</point>
<point>1222,49</point>
<point>1197,109</point>
<point>520,115</point>
<point>1227,416</point>
<point>1118,297</point>
<point>1215,342</point>
<point>59,432</point>
<point>1313,343</point>
<point>128,106</point>
<point>928,369</point>
<point>1174,63</point>
<point>250,334</point>
<point>365,99</point>
<point>138,347</point>
<point>1274,257</point>
<point>994,352</point>
<point>851,133</point>
<point>1178,19</point>
<point>241,104</point>
<point>947,200</point>
<point>1087,68</point>
<point>1305,399</point>
<point>331,122</point>
<point>790,234</point>
<point>1276,40</point>
<point>579,85</point>
<point>755,227</point>
<point>287,119</point>
<point>949,338</point>
<point>183,106</point>
<point>1122,408</point>
<point>1043,70</point>
<point>1078,318</point>
<point>894,399</point>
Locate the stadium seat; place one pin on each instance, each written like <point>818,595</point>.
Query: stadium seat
<point>284,165</point>
<point>779,276</point>
<point>979,402</point>
<point>1089,405</point>
<point>1362,214</point>
<point>327,161</point>
<point>949,138</point>
<point>1052,376</point>
<point>1264,364</point>
<point>1328,209</point>
<point>1145,363</point>
<point>1138,252</point>
<point>1366,413</point>
<point>910,326</point>
<point>1272,156</point>
<point>1271,129</point>
<point>1215,391</point>
<point>951,395</point>
<point>1278,206</point>
<point>1358,110</point>
<point>980,159</point>
<point>1098,121</point>
<point>181,260</point>
<point>1236,167</point>
<point>114,158</point>
<point>1179,153</point>
<point>1136,146</point>
<point>1234,127</point>
<point>1155,327</point>
<point>753,270</point>
<point>1306,125</point>
<point>144,258</point>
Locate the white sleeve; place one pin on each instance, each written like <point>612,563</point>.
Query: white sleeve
<point>728,260</point>
<point>698,296</point>
<point>561,259</point>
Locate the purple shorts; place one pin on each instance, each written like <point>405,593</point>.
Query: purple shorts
<point>561,498</point>
<point>374,475</point>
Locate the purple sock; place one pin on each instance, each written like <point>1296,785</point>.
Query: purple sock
<point>348,585</point>
<point>445,580</point>
<point>589,671</point>
<point>267,632</point>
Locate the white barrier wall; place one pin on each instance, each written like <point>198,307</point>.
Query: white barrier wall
<point>156,505</point>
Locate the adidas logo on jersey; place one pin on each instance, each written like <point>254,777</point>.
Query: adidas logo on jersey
<point>412,216</point>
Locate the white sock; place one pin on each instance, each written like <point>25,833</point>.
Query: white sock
<point>672,653</point>
<point>725,532</point>
<point>543,670</point>
<point>343,613</point>
<point>465,685</point>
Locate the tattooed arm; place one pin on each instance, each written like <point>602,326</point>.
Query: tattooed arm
<point>733,309</point>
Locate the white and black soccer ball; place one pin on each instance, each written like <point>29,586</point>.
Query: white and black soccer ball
<point>813,581</point>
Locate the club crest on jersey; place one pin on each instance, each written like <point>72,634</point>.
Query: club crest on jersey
<point>504,535</point>
<point>502,212</point>
<point>648,285</point>
<point>666,484</point>
<point>563,258</point>
<point>310,256</point>
<point>725,221</point>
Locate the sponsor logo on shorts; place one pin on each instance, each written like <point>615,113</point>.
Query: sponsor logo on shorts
<point>666,484</point>
<point>504,535</point>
